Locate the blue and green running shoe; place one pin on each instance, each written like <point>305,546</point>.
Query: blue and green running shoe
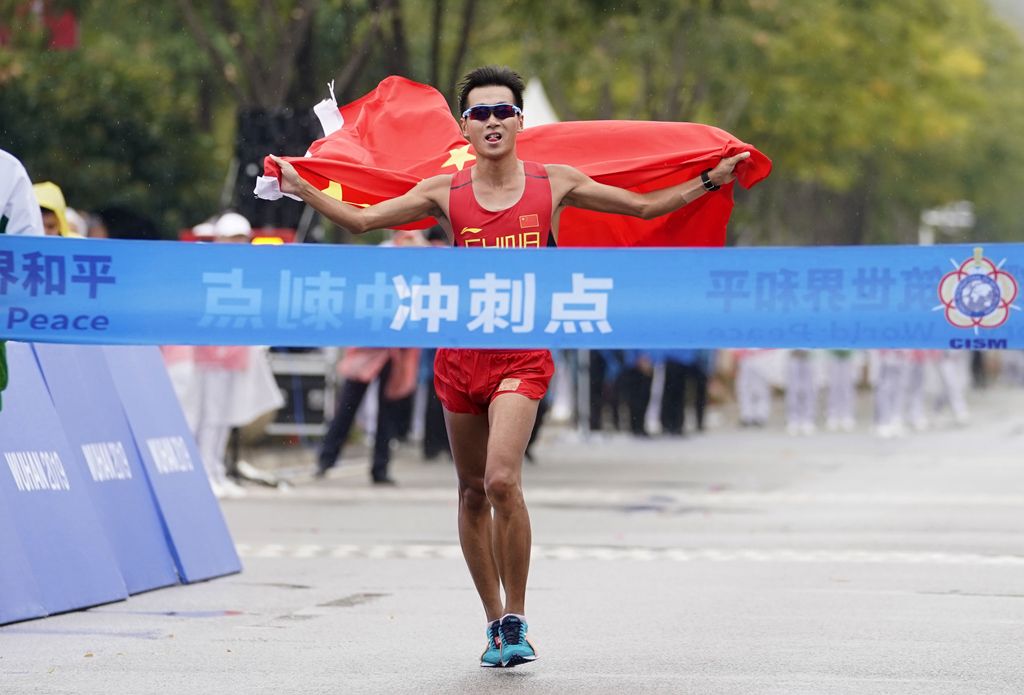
<point>515,648</point>
<point>491,658</point>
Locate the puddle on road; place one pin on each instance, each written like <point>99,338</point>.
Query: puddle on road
<point>180,614</point>
<point>967,594</point>
<point>352,600</point>
<point>275,585</point>
<point>133,634</point>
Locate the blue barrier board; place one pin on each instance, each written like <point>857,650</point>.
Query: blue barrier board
<point>200,541</point>
<point>53,514</point>
<point>89,409</point>
<point>19,595</point>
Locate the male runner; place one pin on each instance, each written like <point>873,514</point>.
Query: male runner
<point>490,397</point>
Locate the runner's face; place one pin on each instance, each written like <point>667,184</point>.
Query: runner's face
<point>492,138</point>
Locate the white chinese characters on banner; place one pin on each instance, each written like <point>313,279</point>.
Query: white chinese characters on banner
<point>585,307</point>
<point>310,300</point>
<point>229,304</point>
<point>377,302</point>
<point>496,303</point>
<point>432,302</point>
<point>499,302</point>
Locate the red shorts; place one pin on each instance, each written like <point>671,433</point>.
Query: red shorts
<point>468,380</point>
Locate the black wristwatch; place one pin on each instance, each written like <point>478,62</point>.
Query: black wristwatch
<point>709,185</point>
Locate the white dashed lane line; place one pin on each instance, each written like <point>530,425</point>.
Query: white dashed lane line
<point>594,496</point>
<point>629,554</point>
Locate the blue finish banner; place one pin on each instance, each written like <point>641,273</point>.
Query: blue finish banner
<point>196,531</point>
<point>42,489</point>
<point>83,393</point>
<point>125,292</point>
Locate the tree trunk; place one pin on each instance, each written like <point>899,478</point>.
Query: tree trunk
<point>398,58</point>
<point>468,11</point>
<point>437,22</point>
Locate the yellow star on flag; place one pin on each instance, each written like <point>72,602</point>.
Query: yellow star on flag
<point>333,190</point>
<point>458,157</point>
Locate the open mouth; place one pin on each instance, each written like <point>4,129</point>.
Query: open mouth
<point>493,137</point>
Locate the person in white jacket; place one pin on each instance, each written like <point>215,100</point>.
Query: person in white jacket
<point>19,215</point>
<point>19,211</point>
<point>233,384</point>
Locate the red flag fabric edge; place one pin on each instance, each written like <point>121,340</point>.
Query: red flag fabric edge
<point>403,132</point>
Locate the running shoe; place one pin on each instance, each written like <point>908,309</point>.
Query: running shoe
<point>515,648</point>
<point>491,658</point>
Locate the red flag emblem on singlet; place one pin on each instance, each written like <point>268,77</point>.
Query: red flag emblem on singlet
<point>403,132</point>
<point>527,221</point>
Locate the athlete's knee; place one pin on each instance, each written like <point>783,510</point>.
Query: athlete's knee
<point>503,488</point>
<point>472,495</point>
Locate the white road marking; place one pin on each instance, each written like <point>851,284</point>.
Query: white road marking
<point>420,551</point>
<point>660,498</point>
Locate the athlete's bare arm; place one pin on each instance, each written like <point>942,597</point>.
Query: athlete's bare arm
<point>428,198</point>
<point>580,191</point>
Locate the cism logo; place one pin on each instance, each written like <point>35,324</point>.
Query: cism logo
<point>978,344</point>
<point>978,294</point>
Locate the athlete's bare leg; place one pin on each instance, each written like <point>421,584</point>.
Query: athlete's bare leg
<point>511,418</point>
<point>488,452</point>
<point>467,435</point>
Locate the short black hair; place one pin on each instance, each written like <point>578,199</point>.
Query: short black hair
<point>491,76</point>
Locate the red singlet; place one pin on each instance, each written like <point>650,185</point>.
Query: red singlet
<point>468,380</point>
<point>525,224</point>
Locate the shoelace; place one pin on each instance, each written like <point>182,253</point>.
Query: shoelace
<point>511,630</point>
<point>494,632</point>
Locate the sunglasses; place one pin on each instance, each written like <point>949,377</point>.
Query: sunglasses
<point>483,112</point>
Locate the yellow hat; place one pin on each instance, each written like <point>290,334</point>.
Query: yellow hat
<point>50,197</point>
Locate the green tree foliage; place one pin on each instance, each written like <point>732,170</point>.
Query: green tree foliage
<point>871,111</point>
<point>113,122</point>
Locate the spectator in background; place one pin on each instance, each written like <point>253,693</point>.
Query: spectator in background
<point>682,366</point>
<point>979,378</point>
<point>435,433</point>
<point>605,370</point>
<point>20,215</point>
<point>917,410</point>
<point>637,378</point>
<point>955,377</point>
<point>77,224</point>
<point>801,393</point>
<point>395,371</point>
<point>841,402</point>
<point>96,227</point>
<point>233,384</point>
<point>753,388</point>
<point>180,359</point>
<point>1011,368</point>
<point>890,369</point>
<point>53,209</point>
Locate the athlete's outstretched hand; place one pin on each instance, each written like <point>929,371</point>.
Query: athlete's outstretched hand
<point>724,172</point>
<point>291,182</point>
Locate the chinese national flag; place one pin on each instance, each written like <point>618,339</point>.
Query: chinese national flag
<point>403,132</point>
